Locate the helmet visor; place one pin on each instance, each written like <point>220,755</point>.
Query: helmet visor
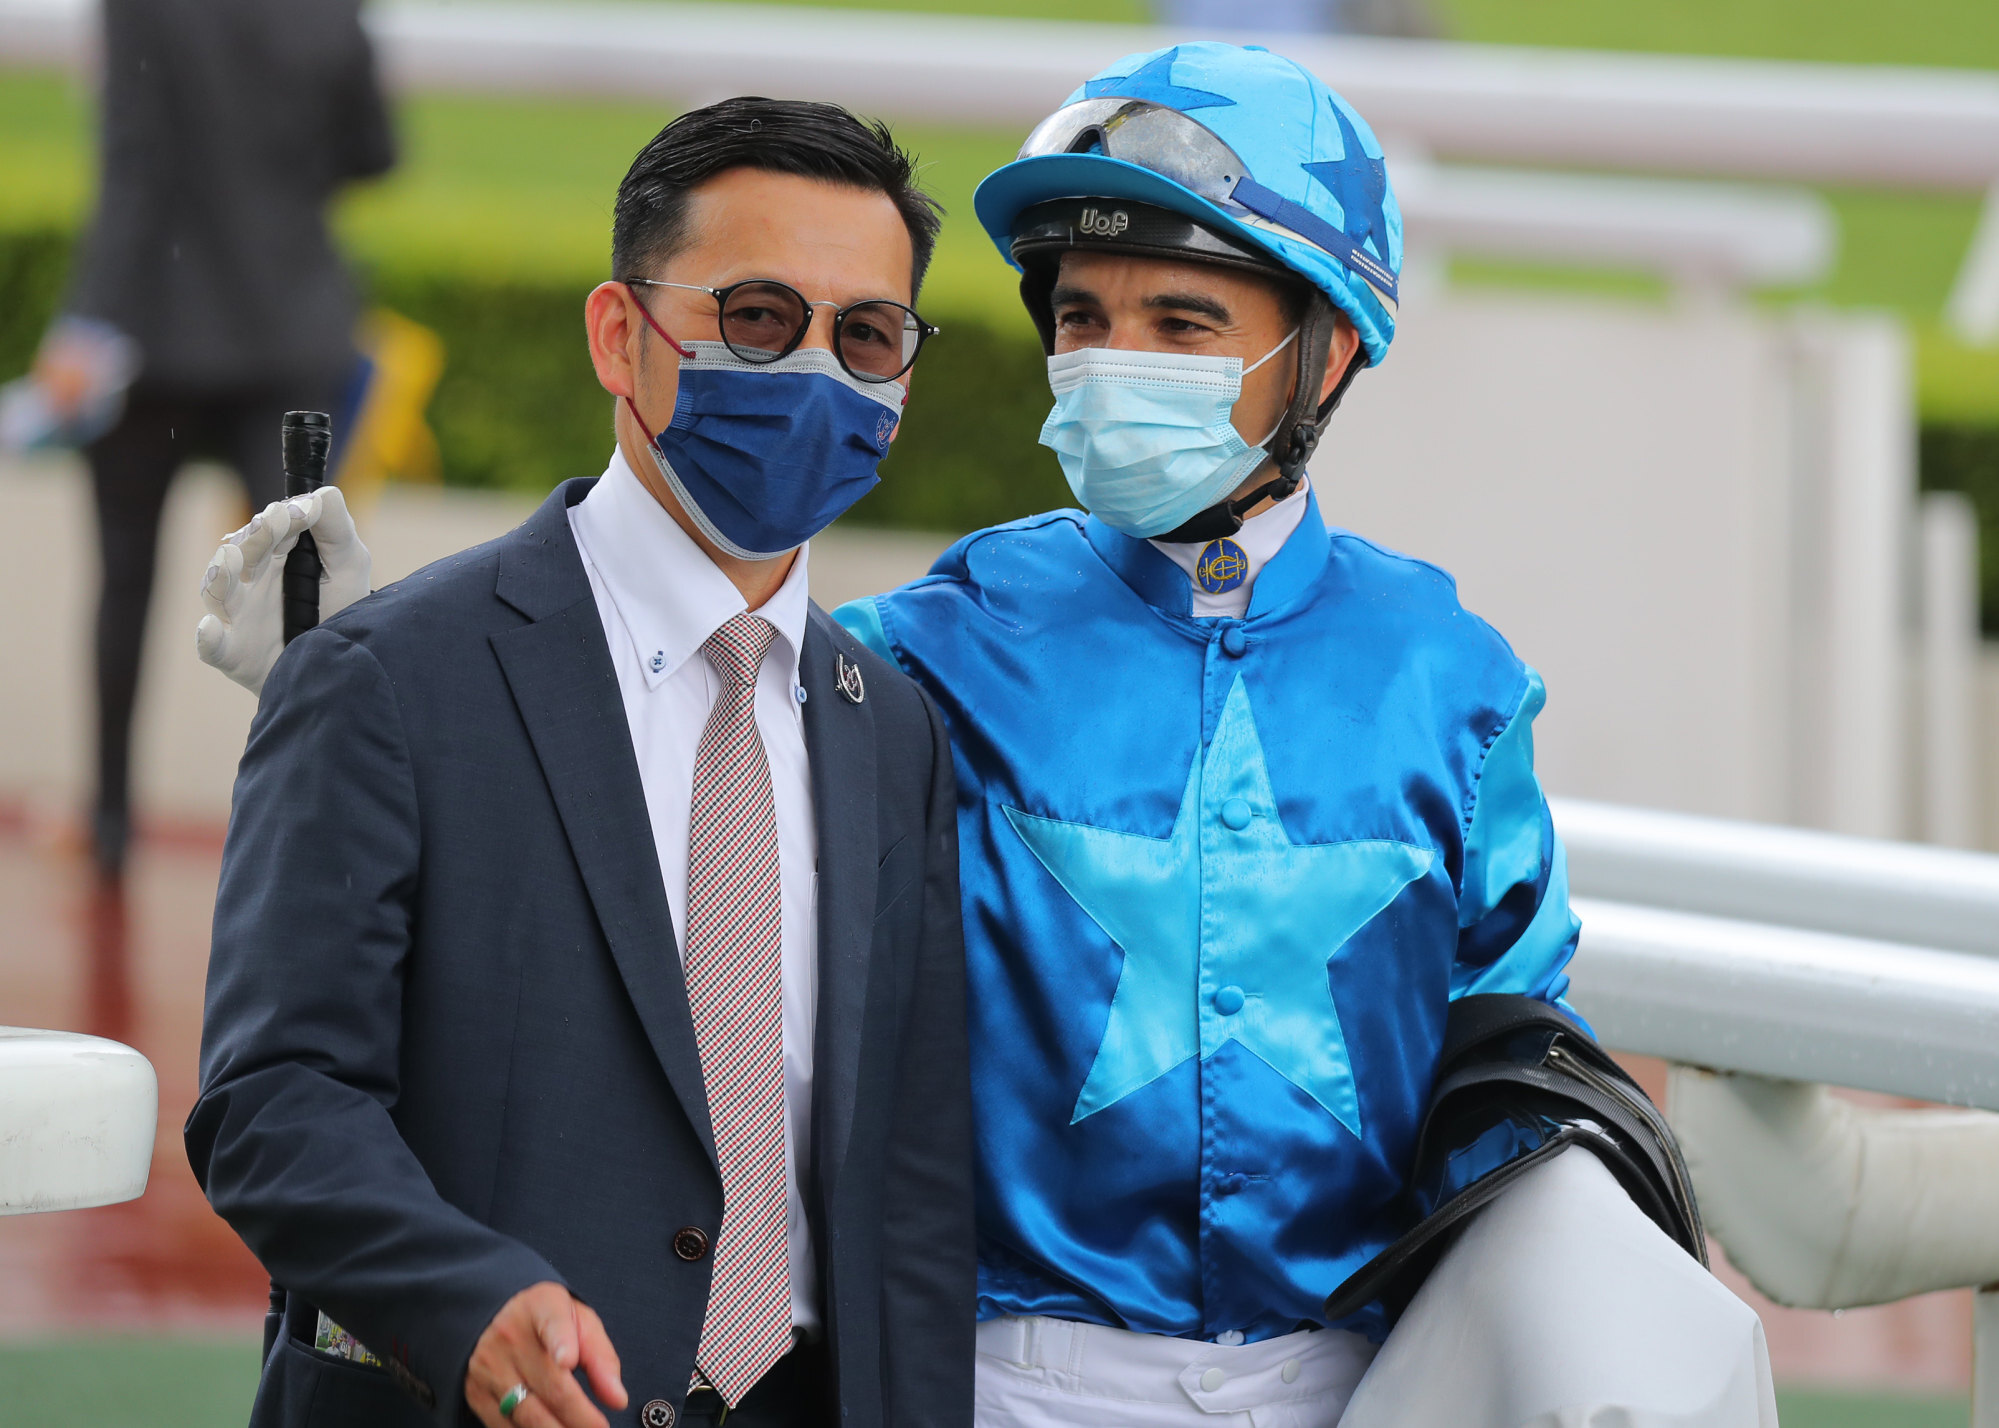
<point>1143,133</point>
<point>1188,153</point>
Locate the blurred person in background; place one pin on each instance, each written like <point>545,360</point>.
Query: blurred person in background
<point>207,279</point>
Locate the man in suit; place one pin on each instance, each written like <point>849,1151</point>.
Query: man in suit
<point>227,127</point>
<point>587,965</point>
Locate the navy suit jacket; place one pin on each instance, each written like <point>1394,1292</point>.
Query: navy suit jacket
<point>447,1051</point>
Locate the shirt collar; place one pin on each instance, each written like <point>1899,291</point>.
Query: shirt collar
<point>1160,582</point>
<point>667,591</point>
<point>1295,569</point>
<point>1261,537</point>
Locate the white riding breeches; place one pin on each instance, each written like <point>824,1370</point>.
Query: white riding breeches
<point>1054,1373</point>
<point>1561,1306</point>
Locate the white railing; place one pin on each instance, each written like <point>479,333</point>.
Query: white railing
<point>1766,952</point>
<point>1791,1003</point>
<point>1793,877</point>
<point>77,1115</point>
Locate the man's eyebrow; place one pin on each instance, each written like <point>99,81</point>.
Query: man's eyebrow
<point>1190,302</point>
<point>1064,293</point>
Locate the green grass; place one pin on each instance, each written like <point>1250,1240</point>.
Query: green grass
<point>498,188</point>
<point>128,1382</point>
<point>1923,32</point>
<point>45,165</point>
<point>524,189</point>
<point>1859,1410</point>
<point>1956,33</point>
<point>161,1382</point>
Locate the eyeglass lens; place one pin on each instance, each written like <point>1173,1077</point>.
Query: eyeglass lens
<point>876,340</point>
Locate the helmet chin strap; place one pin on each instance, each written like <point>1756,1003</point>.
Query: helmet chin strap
<point>1297,433</point>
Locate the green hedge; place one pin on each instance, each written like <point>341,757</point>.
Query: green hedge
<point>32,266</point>
<point>1966,458</point>
<point>519,408</point>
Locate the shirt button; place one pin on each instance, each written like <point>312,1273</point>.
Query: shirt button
<point>1212,1380</point>
<point>1289,1373</point>
<point>1236,813</point>
<point>690,1243</point>
<point>658,661</point>
<point>1232,1184</point>
<point>1234,642</point>
<point>1228,1001</point>
<point>1229,1338</point>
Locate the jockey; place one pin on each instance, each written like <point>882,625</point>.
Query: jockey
<point>1247,810</point>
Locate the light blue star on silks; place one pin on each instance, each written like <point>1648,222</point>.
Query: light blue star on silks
<point>1154,81</point>
<point>1226,925</point>
<point>1360,186</point>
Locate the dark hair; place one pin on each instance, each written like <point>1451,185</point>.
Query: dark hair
<point>785,136</point>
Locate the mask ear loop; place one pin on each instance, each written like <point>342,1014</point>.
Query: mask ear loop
<point>1225,518</point>
<point>646,313</point>
<point>633,407</point>
<point>665,337</point>
<point>1272,353</point>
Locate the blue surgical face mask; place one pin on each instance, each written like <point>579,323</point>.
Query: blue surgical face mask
<point>1145,437</point>
<point>764,457</point>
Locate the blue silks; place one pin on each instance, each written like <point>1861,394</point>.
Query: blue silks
<point>1221,880</point>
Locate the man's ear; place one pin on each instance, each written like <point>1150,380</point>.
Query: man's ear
<point>1344,349</point>
<point>611,328</point>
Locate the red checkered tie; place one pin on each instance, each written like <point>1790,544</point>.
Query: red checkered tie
<point>735,988</point>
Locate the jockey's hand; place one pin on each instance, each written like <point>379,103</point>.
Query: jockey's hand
<point>243,632</point>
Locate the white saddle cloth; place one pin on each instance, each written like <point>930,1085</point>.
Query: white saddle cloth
<point>1561,1306</point>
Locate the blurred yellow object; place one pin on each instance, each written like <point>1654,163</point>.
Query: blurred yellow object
<point>388,438</point>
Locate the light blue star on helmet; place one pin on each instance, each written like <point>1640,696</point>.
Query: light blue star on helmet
<point>1154,80</point>
<point>1266,153</point>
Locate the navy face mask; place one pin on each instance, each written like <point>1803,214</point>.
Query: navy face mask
<point>763,457</point>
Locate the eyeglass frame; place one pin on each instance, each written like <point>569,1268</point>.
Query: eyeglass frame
<point>924,330</point>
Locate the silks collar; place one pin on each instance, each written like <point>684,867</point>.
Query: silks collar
<point>1156,580</point>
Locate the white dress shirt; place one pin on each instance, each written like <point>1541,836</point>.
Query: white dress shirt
<point>1261,537</point>
<point>660,599</point>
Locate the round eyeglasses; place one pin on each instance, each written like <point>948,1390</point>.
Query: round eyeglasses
<point>762,320</point>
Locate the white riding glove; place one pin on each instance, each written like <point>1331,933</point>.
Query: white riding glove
<point>243,632</point>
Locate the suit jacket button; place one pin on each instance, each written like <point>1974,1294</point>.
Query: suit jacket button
<point>657,1414</point>
<point>690,1244</point>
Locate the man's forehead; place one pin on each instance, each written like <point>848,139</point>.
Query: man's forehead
<point>808,232</point>
<point>1135,275</point>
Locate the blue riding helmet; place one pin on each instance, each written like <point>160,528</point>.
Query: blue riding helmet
<point>1244,142</point>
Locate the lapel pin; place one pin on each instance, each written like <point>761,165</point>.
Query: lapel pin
<point>849,677</point>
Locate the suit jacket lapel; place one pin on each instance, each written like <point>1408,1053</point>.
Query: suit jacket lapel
<point>840,742</point>
<point>559,668</point>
